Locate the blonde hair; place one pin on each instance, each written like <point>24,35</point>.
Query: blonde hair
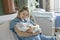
<point>21,10</point>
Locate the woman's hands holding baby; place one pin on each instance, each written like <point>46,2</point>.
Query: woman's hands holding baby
<point>30,30</point>
<point>34,29</point>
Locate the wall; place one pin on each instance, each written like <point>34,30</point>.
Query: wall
<point>22,3</point>
<point>52,5</point>
<point>56,5</point>
<point>31,5</point>
<point>1,7</point>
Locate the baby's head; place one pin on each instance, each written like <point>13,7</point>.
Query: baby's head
<point>23,13</point>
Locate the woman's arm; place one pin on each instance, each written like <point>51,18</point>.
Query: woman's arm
<point>24,34</point>
<point>20,33</point>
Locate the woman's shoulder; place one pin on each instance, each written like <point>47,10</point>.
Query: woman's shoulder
<point>15,20</point>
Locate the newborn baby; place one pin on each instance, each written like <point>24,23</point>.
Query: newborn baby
<point>35,27</point>
<point>25,26</point>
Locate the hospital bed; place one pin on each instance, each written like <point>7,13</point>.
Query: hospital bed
<point>46,20</point>
<point>5,33</point>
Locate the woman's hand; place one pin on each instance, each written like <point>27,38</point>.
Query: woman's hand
<point>30,30</point>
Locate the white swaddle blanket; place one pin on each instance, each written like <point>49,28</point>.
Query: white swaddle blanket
<point>25,26</point>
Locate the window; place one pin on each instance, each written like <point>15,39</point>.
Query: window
<point>57,5</point>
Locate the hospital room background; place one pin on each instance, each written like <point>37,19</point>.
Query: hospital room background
<point>45,12</point>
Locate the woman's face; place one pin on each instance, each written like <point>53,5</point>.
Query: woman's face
<point>24,14</point>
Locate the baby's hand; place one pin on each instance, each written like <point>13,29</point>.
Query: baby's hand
<point>30,30</point>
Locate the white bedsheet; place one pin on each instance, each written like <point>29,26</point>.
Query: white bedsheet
<point>7,17</point>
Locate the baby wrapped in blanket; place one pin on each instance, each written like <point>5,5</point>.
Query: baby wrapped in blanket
<point>25,26</point>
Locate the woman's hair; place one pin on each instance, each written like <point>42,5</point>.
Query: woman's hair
<point>21,10</point>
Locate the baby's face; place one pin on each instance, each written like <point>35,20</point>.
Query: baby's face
<point>24,14</point>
